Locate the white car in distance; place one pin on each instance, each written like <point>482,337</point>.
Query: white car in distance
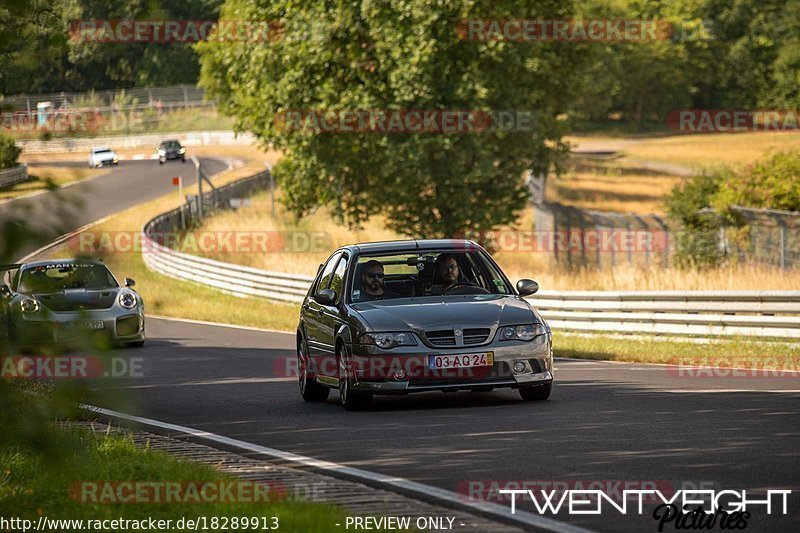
<point>102,155</point>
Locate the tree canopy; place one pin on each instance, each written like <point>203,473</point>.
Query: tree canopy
<point>398,57</point>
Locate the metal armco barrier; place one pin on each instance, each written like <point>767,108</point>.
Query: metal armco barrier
<point>146,141</point>
<point>705,313</point>
<point>10,176</point>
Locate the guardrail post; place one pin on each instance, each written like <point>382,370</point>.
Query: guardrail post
<point>783,247</point>
<point>271,188</point>
<point>199,190</point>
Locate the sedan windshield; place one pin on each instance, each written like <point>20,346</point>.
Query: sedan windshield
<point>425,274</point>
<point>59,276</point>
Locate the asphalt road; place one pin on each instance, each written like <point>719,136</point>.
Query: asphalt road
<point>54,213</point>
<point>605,421</point>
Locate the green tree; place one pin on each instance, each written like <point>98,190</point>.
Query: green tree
<point>404,55</point>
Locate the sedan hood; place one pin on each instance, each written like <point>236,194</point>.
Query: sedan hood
<point>436,313</point>
<point>77,299</point>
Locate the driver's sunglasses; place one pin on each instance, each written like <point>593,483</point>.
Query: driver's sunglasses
<point>375,275</point>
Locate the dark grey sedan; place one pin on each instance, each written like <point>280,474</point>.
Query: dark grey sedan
<point>413,316</point>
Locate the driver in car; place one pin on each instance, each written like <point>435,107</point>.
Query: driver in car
<point>372,281</point>
<point>445,273</point>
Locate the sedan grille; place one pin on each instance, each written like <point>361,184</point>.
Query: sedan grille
<point>447,337</point>
<point>476,336</point>
<point>444,337</point>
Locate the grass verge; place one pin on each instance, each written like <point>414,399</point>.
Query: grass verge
<point>743,353</point>
<point>33,485</point>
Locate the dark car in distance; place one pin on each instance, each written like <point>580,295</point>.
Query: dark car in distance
<point>171,149</point>
<point>420,315</point>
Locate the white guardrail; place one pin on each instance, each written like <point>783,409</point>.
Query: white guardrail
<point>145,140</point>
<point>10,176</point>
<point>704,313</point>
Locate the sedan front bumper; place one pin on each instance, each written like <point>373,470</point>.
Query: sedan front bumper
<point>407,369</point>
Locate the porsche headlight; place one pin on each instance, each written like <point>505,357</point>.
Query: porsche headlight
<point>388,340</point>
<point>525,332</point>
<point>127,300</point>
<point>29,305</point>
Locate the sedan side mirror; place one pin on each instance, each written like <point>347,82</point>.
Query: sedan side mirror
<point>129,282</point>
<point>325,297</point>
<point>526,287</point>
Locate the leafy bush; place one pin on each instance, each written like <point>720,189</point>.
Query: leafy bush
<point>9,151</point>
<point>772,182</point>
<point>696,243</point>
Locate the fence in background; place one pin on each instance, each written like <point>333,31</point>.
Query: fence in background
<point>148,141</point>
<point>10,176</point>
<point>767,236</point>
<point>167,97</point>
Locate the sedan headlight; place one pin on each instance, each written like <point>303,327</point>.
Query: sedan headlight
<point>29,305</point>
<point>182,151</point>
<point>388,340</point>
<point>161,151</point>
<point>127,300</point>
<point>524,332</point>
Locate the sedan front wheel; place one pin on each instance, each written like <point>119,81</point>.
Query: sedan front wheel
<point>310,390</point>
<point>351,400</point>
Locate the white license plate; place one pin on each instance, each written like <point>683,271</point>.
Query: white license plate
<point>86,324</point>
<point>465,360</point>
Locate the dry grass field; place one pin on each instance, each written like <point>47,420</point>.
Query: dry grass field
<point>700,151</point>
<point>517,264</point>
<point>619,181</point>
